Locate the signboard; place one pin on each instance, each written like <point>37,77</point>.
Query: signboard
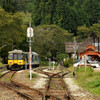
<point>30,32</point>
<point>84,57</point>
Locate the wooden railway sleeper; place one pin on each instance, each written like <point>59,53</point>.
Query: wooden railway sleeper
<point>22,94</point>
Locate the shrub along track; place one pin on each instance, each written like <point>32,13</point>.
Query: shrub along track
<point>56,88</point>
<point>22,90</point>
<point>4,68</point>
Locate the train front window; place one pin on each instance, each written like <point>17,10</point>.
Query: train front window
<point>10,56</point>
<point>15,56</point>
<point>20,56</point>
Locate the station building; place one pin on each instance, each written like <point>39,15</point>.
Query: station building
<point>90,47</point>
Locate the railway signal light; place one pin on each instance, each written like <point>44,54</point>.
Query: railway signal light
<point>30,32</point>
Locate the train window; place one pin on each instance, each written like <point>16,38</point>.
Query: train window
<point>10,56</point>
<point>20,56</point>
<point>15,56</point>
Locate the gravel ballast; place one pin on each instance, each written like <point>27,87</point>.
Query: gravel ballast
<point>77,92</point>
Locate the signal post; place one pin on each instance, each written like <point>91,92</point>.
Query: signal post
<point>30,38</point>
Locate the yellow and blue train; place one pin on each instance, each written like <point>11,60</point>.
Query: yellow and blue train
<point>17,59</point>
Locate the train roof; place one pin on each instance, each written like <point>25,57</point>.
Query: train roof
<point>20,51</point>
<point>16,51</point>
<point>33,53</point>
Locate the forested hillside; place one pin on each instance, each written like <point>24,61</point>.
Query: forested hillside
<point>54,22</point>
<point>68,14</point>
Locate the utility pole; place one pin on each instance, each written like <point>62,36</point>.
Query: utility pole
<point>75,48</point>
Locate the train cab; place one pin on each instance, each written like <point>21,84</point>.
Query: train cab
<point>16,57</point>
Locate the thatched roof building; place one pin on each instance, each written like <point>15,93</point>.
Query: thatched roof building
<point>83,45</point>
<point>93,39</point>
<point>69,47</point>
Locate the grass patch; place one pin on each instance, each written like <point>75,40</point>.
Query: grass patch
<point>94,83</point>
<point>33,75</point>
<point>0,74</point>
<point>52,85</point>
<point>88,80</point>
<point>1,64</point>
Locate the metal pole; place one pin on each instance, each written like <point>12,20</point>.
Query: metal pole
<point>30,61</point>
<point>49,63</point>
<point>25,63</point>
<point>53,66</point>
<point>85,62</point>
<point>30,53</point>
<point>74,51</point>
<point>74,48</point>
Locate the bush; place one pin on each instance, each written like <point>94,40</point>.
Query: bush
<point>61,56</point>
<point>44,63</point>
<point>0,74</point>
<point>68,62</point>
<point>33,75</point>
<point>1,64</point>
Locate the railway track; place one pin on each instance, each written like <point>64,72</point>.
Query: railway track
<point>23,91</point>
<point>56,88</point>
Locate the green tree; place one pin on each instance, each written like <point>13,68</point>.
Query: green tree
<point>68,14</point>
<point>83,32</point>
<point>49,40</point>
<point>8,5</point>
<point>59,15</point>
<point>11,31</point>
<point>92,8</point>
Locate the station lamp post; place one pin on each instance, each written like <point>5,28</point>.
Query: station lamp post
<point>30,37</point>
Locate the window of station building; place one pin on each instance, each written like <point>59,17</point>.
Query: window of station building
<point>10,56</point>
<point>96,44</point>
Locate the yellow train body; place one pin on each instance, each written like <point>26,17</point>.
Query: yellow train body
<point>19,59</point>
<point>16,62</point>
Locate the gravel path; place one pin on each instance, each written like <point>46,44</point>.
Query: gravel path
<point>76,91</point>
<point>41,82</point>
<point>37,83</point>
<point>51,71</point>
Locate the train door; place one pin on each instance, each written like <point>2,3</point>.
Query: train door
<point>15,56</point>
